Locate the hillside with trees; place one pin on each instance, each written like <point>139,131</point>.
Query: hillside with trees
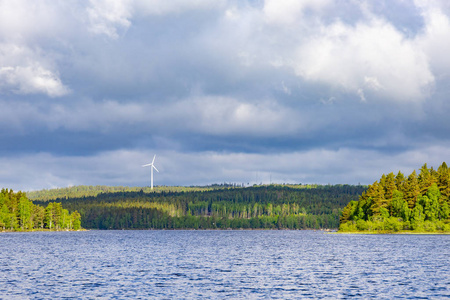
<point>257,207</point>
<point>395,203</point>
<point>90,190</point>
<point>17,213</point>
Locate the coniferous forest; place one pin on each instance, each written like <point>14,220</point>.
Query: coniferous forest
<point>217,207</point>
<point>395,203</point>
<point>17,213</point>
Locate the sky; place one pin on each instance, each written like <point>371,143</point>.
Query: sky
<point>221,91</point>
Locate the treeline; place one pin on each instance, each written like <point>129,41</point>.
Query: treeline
<point>17,213</point>
<point>90,191</point>
<point>396,203</point>
<point>259,207</point>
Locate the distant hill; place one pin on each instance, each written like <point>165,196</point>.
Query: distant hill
<point>210,207</point>
<point>93,190</point>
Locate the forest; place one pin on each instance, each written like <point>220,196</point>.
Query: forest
<point>396,203</point>
<point>18,213</point>
<point>93,190</point>
<point>214,207</point>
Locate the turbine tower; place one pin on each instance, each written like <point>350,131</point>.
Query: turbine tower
<point>152,167</point>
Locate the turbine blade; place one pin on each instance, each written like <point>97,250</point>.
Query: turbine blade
<point>155,168</point>
<point>153,158</point>
<point>147,165</point>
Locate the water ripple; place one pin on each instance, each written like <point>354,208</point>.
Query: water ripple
<point>222,264</point>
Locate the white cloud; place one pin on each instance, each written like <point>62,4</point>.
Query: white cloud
<point>31,80</point>
<point>106,16</point>
<point>28,31</point>
<point>289,11</point>
<point>25,68</point>
<point>22,20</point>
<point>361,95</point>
<point>370,57</point>
<point>22,72</point>
<point>112,17</point>
<point>228,116</point>
<point>372,83</point>
<point>435,40</point>
<point>162,7</point>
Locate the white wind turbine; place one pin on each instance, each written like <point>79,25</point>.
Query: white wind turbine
<point>152,167</point>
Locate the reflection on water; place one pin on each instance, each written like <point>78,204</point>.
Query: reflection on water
<point>222,264</point>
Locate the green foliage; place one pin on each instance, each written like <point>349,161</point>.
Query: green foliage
<point>393,224</point>
<point>257,207</point>
<point>25,213</point>
<point>362,225</point>
<point>384,213</point>
<point>419,203</point>
<point>92,191</point>
<point>348,227</point>
<point>17,213</point>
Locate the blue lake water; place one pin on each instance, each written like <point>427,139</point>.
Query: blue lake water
<point>222,264</point>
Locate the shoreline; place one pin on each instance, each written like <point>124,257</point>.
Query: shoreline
<point>393,232</point>
<point>43,230</point>
<point>177,229</point>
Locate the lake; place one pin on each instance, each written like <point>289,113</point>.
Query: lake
<point>222,264</point>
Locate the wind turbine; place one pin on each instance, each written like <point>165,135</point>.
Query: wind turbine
<point>152,167</point>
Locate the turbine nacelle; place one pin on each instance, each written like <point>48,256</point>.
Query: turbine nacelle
<point>152,164</point>
<point>147,165</point>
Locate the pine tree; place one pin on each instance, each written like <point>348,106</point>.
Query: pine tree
<point>425,179</point>
<point>389,189</point>
<point>348,212</point>
<point>400,182</point>
<point>376,193</point>
<point>443,182</point>
<point>412,190</point>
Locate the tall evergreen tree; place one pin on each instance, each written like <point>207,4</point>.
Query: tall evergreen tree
<point>443,182</point>
<point>389,189</point>
<point>400,182</point>
<point>412,189</point>
<point>425,179</point>
<point>376,194</point>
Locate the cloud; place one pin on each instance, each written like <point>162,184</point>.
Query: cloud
<point>372,57</point>
<point>31,80</point>
<point>21,72</point>
<point>28,65</point>
<point>434,40</point>
<point>285,12</point>
<point>216,116</point>
<point>327,91</point>
<point>22,21</point>
<point>106,17</point>
<point>123,167</point>
<point>224,116</point>
<point>112,17</point>
<point>161,7</point>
